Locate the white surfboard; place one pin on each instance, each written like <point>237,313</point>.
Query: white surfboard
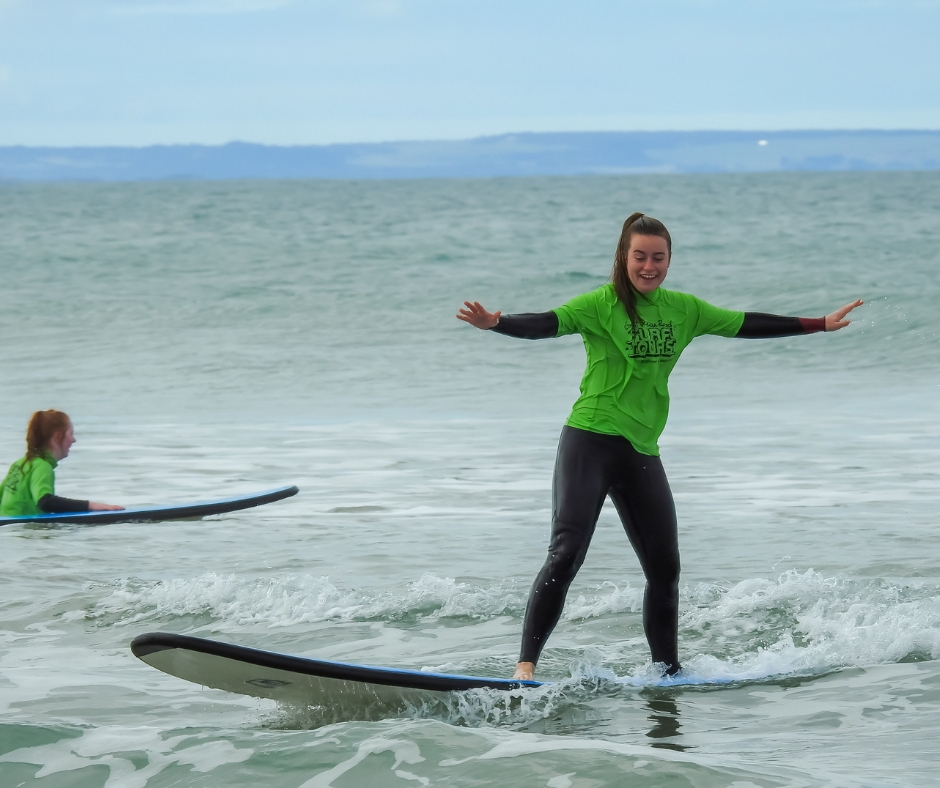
<point>299,680</point>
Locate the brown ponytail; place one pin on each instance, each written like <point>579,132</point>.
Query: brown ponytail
<point>43,427</point>
<point>636,224</point>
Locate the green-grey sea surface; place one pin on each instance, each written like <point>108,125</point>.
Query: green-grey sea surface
<point>210,339</point>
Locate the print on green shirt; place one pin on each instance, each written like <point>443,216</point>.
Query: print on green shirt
<point>624,389</point>
<point>25,484</point>
<point>651,341</point>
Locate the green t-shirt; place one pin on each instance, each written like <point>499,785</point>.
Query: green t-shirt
<point>624,390</point>
<point>25,484</point>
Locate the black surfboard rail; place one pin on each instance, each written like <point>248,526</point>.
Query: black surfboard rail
<point>156,642</point>
<point>153,514</point>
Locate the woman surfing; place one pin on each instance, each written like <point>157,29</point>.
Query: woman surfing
<point>633,331</point>
<point>29,486</point>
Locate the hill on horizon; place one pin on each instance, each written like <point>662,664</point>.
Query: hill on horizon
<point>523,154</point>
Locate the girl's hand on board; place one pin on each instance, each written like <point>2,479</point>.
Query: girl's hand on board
<point>837,320</point>
<point>476,315</point>
<point>103,507</point>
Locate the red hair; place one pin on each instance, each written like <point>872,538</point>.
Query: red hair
<point>44,425</point>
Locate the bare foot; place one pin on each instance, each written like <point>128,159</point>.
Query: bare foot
<point>524,671</point>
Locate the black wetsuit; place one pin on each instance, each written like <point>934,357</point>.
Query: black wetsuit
<point>591,466</point>
<point>56,504</point>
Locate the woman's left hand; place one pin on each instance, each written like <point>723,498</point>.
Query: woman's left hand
<point>837,320</point>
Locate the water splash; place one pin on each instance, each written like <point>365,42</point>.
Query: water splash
<point>295,599</point>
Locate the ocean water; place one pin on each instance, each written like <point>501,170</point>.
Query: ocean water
<point>210,339</point>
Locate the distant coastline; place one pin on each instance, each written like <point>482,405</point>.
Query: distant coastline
<point>568,153</point>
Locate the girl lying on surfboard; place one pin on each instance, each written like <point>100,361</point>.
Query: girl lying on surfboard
<point>29,486</point>
<point>633,332</point>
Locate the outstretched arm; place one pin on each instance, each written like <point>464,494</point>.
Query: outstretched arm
<point>531,325</point>
<point>56,504</point>
<point>758,325</point>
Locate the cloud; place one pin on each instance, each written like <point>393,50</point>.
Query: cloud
<point>198,7</point>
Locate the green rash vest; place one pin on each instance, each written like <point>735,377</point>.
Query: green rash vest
<point>25,484</point>
<point>624,389</point>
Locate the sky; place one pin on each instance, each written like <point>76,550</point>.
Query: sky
<point>299,72</point>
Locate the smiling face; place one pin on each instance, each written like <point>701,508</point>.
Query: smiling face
<point>647,262</point>
<point>61,442</point>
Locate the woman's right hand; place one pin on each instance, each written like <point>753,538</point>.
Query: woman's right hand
<point>476,315</point>
<point>103,507</point>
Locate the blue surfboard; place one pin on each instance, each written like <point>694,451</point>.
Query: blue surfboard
<point>152,514</point>
<point>299,680</point>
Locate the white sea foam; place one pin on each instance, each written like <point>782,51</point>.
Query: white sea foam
<point>296,599</point>
<point>606,599</point>
<point>119,748</point>
<point>758,628</point>
<point>805,623</point>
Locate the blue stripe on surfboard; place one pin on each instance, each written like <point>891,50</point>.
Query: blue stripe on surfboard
<point>155,513</point>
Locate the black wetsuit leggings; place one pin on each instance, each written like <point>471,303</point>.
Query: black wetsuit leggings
<point>589,467</point>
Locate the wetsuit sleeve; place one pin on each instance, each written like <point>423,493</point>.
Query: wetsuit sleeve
<point>530,325</point>
<point>758,325</point>
<point>54,504</point>
<point>579,314</point>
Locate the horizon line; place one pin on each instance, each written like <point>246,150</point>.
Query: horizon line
<point>480,137</point>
